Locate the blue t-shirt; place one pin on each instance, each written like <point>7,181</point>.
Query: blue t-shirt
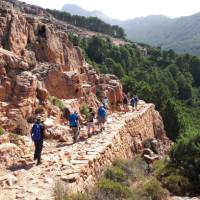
<point>102,112</point>
<point>73,120</point>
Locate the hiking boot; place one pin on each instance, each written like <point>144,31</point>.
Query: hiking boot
<point>39,163</point>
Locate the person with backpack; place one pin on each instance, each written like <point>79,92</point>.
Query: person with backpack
<point>90,122</point>
<point>37,135</point>
<point>132,103</point>
<point>105,102</point>
<point>74,125</point>
<point>101,117</point>
<point>136,99</point>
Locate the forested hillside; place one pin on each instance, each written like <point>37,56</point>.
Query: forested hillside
<point>90,23</point>
<point>180,34</point>
<point>170,81</point>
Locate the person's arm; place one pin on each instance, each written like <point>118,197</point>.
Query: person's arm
<point>42,131</point>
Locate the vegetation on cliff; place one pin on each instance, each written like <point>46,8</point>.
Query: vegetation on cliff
<point>90,23</point>
<point>170,81</point>
<point>128,180</point>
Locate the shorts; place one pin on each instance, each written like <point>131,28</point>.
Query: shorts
<point>101,120</point>
<point>90,124</point>
<point>74,129</point>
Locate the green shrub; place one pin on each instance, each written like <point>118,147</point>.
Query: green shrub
<point>59,191</point>
<point>84,109</point>
<point>76,196</point>
<point>135,168</point>
<point>57,102</point>
<point>185,156</point>
<point>109,187</point>
<point>2,131</point>
<point>116,174</point>
<point>176,184</point>
<point>152,188</point>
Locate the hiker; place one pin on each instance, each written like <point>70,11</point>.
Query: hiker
<point>101,117</point>
<point>132,103</point>
<point>105,102</point>
<point>74,125</point>
<point>136,102</point>
<point>37,135</point>
<point>125,103</point>
<point>90,122</point>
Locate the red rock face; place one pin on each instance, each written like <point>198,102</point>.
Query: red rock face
<point>37,61</point>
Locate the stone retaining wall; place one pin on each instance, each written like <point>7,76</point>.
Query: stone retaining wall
<point>119,140</point>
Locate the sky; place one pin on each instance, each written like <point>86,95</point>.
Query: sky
<point>127,9</point>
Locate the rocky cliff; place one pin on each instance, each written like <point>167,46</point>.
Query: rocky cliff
<point>37,61</point>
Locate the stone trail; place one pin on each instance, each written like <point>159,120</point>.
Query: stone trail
<point>78,165</point>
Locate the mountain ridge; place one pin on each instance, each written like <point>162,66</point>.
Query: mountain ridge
<point>180,34</point>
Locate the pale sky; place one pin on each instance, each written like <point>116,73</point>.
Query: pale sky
<point>127,9</point>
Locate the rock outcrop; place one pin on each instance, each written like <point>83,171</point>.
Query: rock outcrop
<point>37,60</point>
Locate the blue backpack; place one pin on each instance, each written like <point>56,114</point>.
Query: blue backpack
<point>73,120</point>
<point>102,112</point>
<point>36,132</point>
<point>136,99</point>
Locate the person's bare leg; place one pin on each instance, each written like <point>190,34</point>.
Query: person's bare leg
<point>93,129</point>
<point>88,129</point>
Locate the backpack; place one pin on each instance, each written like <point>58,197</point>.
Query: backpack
<point>73,120</point>
<point>125,100</point>
<point>132,101</point>
<point>90,117</point>
<point>102,112</point>
<point>136,99</point>
<point>36,132</point>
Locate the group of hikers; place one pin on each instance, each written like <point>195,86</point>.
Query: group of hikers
<point>75,121</point>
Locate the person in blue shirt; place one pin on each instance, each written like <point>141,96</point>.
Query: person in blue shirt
<point>37,134</point>
<point>101,116</point>
<point>74,123</point>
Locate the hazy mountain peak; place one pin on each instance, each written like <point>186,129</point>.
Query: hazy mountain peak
<point>77,10</point>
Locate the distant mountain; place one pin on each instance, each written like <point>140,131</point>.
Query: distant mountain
<point>77,10</point>
<point>180,34</point>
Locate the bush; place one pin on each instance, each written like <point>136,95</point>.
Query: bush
<point>2,131</point>
<point>171,177</point>
<point>115,189</point>
<point>59,191</point>
<point>116,174</point>
<point>152,188</point>
<point>84,109</point>
<point>134,169</point>
<point>176,184</point>
<point>57,102</point>
<point>185,156</point>
<point>76,196</point>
